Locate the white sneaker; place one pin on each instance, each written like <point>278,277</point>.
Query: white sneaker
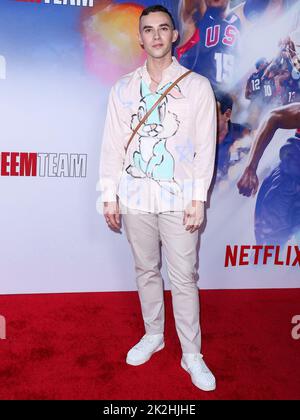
<point>143,350</point>
<point>201,376</point>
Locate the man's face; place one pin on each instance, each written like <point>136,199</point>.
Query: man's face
<point>262,66</point>
<point>156,34</point>
<point>222,4</point>
<point>222,118</point>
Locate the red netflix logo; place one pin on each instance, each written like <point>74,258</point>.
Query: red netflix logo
<point>262,254</point>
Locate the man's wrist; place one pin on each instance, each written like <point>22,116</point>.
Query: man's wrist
<point>108,197</point>
<point>252,167</point>
<point>107,203</point>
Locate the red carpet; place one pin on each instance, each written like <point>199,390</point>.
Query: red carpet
<point>73,346</point>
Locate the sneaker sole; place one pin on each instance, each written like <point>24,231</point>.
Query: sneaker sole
<point>141,362</point>
<point>203,388</point>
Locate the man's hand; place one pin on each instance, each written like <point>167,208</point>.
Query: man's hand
<point>194,215</point>
<point>248,183</point>
<point>112,215</point>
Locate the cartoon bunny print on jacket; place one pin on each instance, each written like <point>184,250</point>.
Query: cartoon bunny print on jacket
<point>152,159</point>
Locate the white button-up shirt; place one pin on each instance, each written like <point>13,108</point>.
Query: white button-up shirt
<point>170,160</point>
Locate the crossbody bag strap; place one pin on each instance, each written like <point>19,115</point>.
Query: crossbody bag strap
<point>155,105</point>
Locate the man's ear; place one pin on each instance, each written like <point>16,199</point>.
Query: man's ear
<point>175,35</point>
<point>228,114</point>
<point>140,40</point>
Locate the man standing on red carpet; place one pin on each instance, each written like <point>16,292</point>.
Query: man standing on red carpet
<point>156,166</point>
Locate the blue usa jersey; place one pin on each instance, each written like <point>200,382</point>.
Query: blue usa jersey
<point>255,84</point>
<point>268,89</point>
<point>290,91</point>
<point>212,48</point>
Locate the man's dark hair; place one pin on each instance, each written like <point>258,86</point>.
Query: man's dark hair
<point>261,61</point>
<point>225,101</point>
<point>157,8</point>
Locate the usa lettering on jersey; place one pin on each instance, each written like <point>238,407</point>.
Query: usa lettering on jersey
<point>213,36</point>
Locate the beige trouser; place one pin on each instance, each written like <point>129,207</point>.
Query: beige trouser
<point>144,232</point>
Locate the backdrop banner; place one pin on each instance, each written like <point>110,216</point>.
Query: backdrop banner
<point>58,62</point>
